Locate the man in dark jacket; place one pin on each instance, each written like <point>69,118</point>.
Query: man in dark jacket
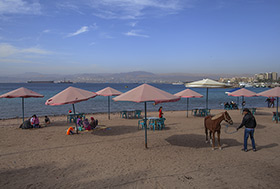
<point>250,124</point>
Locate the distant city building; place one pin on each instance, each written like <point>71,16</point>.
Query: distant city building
<point>271,76</point>
<point>274,76</point>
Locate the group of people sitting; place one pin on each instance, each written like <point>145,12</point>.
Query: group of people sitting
<point>85,124</point>
<point>230,106</point>
<point>34,122</point>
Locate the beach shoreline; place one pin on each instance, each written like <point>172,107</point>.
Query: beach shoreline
<point>115,156</point>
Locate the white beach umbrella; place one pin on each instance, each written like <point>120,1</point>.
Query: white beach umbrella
<point>206,83</point>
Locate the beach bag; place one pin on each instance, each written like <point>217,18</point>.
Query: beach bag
<point>26,125</point>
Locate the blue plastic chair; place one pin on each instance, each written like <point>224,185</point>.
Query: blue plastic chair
<point>160,123</point>
<point>141,123</point>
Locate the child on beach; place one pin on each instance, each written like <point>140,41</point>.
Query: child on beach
<point>47,121</point>
<point>35,121</point>
<point>93,123</point>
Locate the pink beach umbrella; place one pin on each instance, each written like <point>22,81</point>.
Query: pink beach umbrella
<point>188,93</point>
<point>275,92</point>
<point>22,93</point>
<point>147,93</point>
<point>108,91</point>
<point>243,93</point>
<point>70,95</point>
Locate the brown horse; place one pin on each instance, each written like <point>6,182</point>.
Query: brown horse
<point>213,124</point>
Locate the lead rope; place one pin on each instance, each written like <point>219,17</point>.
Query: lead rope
<point>229,132</point>
<point>228,126</point>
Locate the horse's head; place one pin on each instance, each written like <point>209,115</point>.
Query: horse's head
<point>228,118</point>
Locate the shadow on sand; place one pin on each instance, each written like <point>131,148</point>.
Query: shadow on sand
<point>115,130</point>
<point>198,141</point>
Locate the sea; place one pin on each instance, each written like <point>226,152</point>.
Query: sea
<point>12,107</point>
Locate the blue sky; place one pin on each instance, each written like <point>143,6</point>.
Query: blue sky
<point>159,36</point>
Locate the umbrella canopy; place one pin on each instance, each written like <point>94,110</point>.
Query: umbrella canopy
<point>232,90</point>
<point>146,93</point>
<point>22,93</point>
<point>71,95</point>
<point>108,91</point>
<point>188,93</point>
<point>206,83</point>
<point>243,93</point>
<point>275,92</point>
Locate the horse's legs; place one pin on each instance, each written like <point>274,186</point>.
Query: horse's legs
<point>206,133</point>
<point>210,135</point>
<point>213,141</point>
<point>219,143</point>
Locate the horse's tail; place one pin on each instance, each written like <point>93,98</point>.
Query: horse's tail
<point>205,124</point>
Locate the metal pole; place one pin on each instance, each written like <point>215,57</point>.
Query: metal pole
<point>207,98</point>
<point>22,109</point>
<point>237,101</point>
<point>277,116</point>
<point>108,107</point>
<point>187,107</point>
<point>145,124</point>
<point>242,103</point>
<point>75,118</point>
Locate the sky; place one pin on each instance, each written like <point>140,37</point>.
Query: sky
<point>159,36</point>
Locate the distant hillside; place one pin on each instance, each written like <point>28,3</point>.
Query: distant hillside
<point>125,77</point>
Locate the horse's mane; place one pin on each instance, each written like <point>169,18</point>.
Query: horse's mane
<point>217,116</point>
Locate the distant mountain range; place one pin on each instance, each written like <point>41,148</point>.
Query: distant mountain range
<point>126,77</point>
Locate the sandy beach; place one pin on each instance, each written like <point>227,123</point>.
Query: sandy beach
<point>177,157</point>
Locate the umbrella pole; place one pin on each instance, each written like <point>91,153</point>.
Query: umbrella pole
<point>187,107</point>
<point>207,98</point>
<point>237,101</point>
<point>22,109</point>
<point>75,118</point>
<point>145,124</point>
<point>277,116</point>
<point>242,103</point>
<point>108,107</point>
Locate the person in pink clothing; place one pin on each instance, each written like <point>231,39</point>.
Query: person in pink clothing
<point>34,121</point>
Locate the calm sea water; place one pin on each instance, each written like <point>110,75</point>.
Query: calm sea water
<point>11,108</point>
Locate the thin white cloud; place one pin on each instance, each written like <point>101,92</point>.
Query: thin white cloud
<point>81,30</point>
<point>19,7</point>
<point>133,24</point>
<point>127,9</point>
<point>7,50</point>
<point>132,9</point>
<point>135,33</point>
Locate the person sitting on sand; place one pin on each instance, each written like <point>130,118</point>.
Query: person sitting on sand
<point>47,120</point>
<point>34,121</point>
<point>86,124</point>
<point>93,123</point>
<point>79,121</point>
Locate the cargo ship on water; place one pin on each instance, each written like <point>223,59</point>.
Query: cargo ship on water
<point>40,81</point>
